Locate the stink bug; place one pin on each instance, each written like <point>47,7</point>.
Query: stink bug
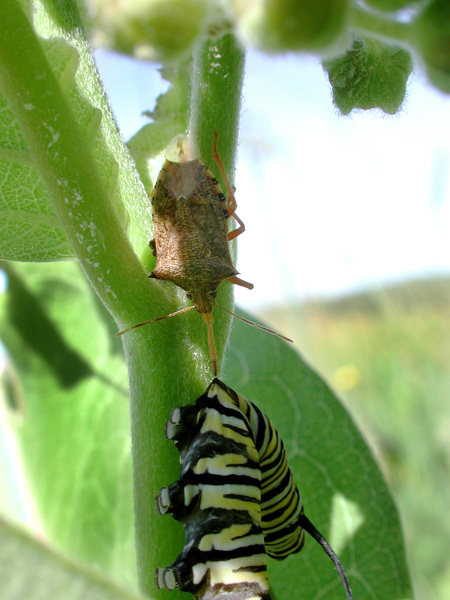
<point>190,215</point>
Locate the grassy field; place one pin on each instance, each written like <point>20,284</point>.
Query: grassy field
<point>387,354</point>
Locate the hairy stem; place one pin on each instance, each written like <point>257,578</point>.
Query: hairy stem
<point>215,107</point>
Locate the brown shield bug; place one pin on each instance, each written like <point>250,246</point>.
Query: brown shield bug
<point>190,217</point>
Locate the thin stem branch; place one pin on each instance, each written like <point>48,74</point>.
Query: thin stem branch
<point>378,26</point>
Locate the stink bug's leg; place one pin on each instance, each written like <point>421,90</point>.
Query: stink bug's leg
<point>283,337</point>
<point>174,314</point>
<point>231,235</point>
<point>241,282</point>
<point>232,205</point>
<point>209,320</point>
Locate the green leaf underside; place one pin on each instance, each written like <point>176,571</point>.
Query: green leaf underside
<point>75,443</point>
<point>31,229</point>
<point>32,571</point>
<point>29,226</point>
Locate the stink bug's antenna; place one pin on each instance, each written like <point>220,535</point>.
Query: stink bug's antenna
<point>283,337</point>
<point>207,317</point>
<point>209,320</point>
<point>174,314</point>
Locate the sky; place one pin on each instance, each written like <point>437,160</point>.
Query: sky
<point>331,204</point>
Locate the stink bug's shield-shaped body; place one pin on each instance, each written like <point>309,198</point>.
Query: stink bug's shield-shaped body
<point>190,215</point>
<point>190,226</point>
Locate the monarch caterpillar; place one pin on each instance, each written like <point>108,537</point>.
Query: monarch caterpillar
<point>236,498</point>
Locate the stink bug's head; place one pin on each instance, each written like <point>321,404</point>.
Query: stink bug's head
<point>181,149</point>
<point>203,300</point>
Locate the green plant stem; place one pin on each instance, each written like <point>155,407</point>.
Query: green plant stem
<point>185,373</point>
<point>217,81</point>
<point>381,27</point>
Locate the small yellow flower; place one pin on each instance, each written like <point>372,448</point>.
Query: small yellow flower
<point>346,377</point>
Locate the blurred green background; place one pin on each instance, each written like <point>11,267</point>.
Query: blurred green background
<point>387,354</point>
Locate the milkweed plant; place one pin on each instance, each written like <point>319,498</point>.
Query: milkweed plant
<point>75,219</point>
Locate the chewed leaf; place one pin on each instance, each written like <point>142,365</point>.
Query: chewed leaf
<point>169,119</point>
<point>343,490</point>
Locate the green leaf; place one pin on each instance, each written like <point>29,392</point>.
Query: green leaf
<point>342,488</point>
<point>74,423</point>
<point>30,224</point>
<point>33,571</point>
<point>370,75</point>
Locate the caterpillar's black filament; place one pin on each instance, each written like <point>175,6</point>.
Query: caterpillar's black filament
<point>236,498</point>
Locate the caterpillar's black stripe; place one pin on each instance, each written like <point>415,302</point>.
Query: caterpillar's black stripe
<point>236,498</point>
<point>218,500</point>
<point>217,480</point>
